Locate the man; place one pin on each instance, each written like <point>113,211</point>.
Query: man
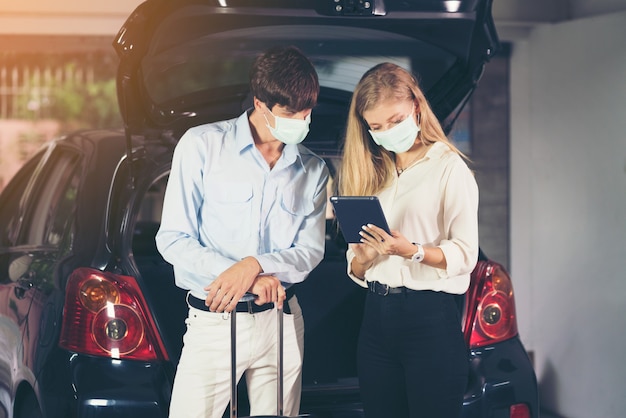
<point>244,211</point>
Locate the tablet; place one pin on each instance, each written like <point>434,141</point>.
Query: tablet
<point>355,211</point>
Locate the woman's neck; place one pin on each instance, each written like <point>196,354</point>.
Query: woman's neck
<point>409,158</point>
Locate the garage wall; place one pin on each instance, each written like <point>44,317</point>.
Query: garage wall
<point>490,156</point>
<point>568,211</point>
<point>64,17</point>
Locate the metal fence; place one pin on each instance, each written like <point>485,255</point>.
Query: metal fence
<point>28,91</point>
<point>38,86</point>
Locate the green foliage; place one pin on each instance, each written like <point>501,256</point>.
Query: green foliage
<point>73,102</point>
<point>89,105</point>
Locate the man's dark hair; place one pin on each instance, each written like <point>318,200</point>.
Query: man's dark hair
<point>284,76</point>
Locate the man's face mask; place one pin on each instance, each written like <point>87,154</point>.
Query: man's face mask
<point>289,131</point>
<point>398,139</point>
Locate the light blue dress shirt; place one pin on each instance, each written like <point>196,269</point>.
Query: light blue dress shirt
<point>223,203</point>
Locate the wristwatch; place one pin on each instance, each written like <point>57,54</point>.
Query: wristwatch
<point>418,257</point>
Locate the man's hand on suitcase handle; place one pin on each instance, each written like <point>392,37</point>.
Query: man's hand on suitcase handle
<point>268,289</point>
<point>232,284</point>
<point>245,276</point>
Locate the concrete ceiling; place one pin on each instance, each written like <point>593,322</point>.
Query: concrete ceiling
<point>515,18</point>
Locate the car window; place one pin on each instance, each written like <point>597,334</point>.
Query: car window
<point>48,222</point>
<point>149,218</point>
<point>152,202</point>
<point>11,201</point>
<point>200,63</point>
<point>60,231</point>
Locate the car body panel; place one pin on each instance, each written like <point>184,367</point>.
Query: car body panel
<point>510,381</point>
<point>329,371</point>
<point>74,383</point>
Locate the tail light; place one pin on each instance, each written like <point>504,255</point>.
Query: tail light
<point>519,410</point>
<point>106,315</point>
<point>491,306</point>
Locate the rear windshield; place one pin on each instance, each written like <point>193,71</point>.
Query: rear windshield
<point>180,65</point>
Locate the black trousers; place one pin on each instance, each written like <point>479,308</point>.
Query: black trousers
<point>412,359</point>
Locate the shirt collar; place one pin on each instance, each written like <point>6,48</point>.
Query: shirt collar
<point>243,134</point>
<point>291,154</point>
<point>437,150</point>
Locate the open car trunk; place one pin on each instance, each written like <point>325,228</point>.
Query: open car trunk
<point>185,63</point>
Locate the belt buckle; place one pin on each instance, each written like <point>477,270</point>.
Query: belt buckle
<point>374,288</point>
<point>386,286</point>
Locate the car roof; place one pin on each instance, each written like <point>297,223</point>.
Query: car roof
<point>186,62</point>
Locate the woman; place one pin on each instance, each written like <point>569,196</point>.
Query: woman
<point>412,359</point>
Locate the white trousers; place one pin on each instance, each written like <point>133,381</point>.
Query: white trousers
<point>202,381</point>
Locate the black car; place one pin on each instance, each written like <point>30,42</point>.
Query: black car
<point>91,322</point>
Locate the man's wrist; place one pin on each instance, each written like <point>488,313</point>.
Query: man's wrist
<point>254,264</point>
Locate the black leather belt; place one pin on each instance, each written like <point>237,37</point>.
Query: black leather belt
<point>384,289</point>
<point>249,307</point>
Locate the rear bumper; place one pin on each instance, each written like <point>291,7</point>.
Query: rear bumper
<point>114,388</point>
<point>340,400</point>
<point>511,380</point>
<point>90,387</point>
<point>500,376</point>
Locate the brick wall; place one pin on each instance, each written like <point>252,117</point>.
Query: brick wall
<point>490,156</point>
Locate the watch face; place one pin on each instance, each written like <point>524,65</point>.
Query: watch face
<point>419,255</point>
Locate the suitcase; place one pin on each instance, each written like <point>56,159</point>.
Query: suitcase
<point>233,364</point>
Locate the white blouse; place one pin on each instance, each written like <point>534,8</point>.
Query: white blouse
<point>434,203</point>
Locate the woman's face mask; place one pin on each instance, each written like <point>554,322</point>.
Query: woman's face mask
<point>289,131</point>
<point>398,139</point>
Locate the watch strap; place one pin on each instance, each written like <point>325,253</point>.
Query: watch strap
<point>418,257</point>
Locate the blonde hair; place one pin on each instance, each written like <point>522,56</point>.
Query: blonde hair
<point>367,168</point>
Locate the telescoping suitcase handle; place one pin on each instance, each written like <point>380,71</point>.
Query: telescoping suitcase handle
<point>248,297</point>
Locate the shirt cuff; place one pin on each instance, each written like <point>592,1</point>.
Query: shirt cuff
<point>360,281</point>
<point>267,264</point>
<point>456,262</point>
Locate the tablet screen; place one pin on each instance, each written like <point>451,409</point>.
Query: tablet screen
<point>355,211</point>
